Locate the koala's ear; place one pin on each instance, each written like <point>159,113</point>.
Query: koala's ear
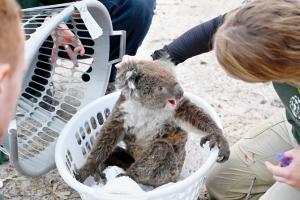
<point>131,77</point>
<point>127,74</point>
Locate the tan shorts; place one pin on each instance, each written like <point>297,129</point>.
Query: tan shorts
<point>244,175</point>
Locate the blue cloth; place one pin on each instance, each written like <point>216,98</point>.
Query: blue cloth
<point>133,16</point>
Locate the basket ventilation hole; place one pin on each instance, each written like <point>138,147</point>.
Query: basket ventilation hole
<point>43,58</point>
<point>92,140</point>
<point>68,160</point>
<point>25,152</point>
<point>33,92</point>
<point>76,93</point>
<point>73,172</point>
<point>68,108</point>
<point>44,66</point>
<point>106,112</point>
<point>72,101</point>
<point>22,137</point>
<point>25,132</point>
<point>50,100</point>
<point>65,116</point>
<point>35,146</point>
<point>88,146</point>
<point>26,127</point>
<point>89,70</point>
<point>45,137</point>
<point>30,149</point>
<point>33,122</point>
<point>36,86</point>
<point>83,151</point>
<point>100,118</point>
<point>50,132</point>
<point>82,133</point>
<point>69,154</point>
<point>47,106</point>
<point>78,138</point>
<point>93,123</point>
<point>40,141</point>
<point>29,97</point>
<point>68,167</point>
<point>85,77</point>
<point>87,128</point>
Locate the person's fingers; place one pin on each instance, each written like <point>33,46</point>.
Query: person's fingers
<point>70,52</point>
<point>128,59</point>
<point>291,153</point>
<point>125,60</point>
<point>53,53</point>
<point>80,50</point>
<point>119,65</point>
<point>277,170</point>
<point>280,179</point>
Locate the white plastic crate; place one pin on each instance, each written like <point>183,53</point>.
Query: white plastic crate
<point>53,92</point>
<point>78,137</point>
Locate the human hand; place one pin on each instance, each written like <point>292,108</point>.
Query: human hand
<point>131,59</point>
<point>289,174</point>
<point>63,36</point>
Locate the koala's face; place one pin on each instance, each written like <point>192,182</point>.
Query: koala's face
<point>151,83</point>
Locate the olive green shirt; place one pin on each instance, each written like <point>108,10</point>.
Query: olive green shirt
<point>290,97</point>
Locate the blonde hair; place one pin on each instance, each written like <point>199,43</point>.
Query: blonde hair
<point>11,40</point>
<point>260,41</point>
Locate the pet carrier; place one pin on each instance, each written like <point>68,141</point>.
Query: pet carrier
<point>78,137</point>
<point>58,84</point>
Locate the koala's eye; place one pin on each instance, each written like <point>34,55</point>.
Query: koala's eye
<point>160,88</point>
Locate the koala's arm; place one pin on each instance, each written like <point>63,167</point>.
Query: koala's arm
<point>112,132</point>
<point>187,112</point>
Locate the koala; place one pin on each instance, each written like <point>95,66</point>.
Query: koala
<point>150,117</point>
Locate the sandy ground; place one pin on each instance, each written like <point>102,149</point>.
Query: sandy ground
<point>241,106</point>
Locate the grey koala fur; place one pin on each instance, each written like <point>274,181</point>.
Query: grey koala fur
<point>150,116</point>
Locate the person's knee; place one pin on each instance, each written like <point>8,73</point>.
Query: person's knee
<point>211,182</point>
<point>135,16</point>
<point>230,179</point>
<point>141,11</point>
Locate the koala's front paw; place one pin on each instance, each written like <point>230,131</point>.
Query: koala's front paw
<point>87,171</point>
<point>221,142</point>
<point>82,174</point>
<point>100,176</point>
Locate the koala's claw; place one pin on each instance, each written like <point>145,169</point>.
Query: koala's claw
<point>222,144</point>
<point>81,175</point>
<point>100,176</point>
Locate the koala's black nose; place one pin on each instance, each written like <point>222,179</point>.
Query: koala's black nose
<point>178,91</point>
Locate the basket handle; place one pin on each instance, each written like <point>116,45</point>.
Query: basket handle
<point>122,35</point>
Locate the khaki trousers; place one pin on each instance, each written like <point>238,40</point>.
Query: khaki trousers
<point>244,175</point>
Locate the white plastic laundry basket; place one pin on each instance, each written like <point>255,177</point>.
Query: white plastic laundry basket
<point>54,91</point>
<point>78,137</point>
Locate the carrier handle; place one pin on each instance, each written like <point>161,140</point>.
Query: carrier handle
<point>122,35</point>
<point>14,159</point>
